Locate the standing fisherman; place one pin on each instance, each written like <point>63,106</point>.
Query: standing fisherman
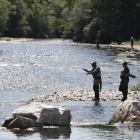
<point>125,74</point>
<point>97,42</point>
<point>132,41</point>
<point>124,81</point>
<point>96,72</point>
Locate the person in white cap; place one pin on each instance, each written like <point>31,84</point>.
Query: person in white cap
<point>96,72</point>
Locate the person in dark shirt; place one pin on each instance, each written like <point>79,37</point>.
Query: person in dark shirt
<point>97,42</point>
<point>124,81</point>
<point>132,41</point>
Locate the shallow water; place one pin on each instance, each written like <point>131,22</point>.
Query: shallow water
<point>32,68</point>
<point>88,122</point>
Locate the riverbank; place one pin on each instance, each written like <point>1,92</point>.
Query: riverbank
<point>123,45</point>
<point>14,39</point>
<point>83,95</point>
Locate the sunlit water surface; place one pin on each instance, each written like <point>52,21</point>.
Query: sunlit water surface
<point>32,68</point>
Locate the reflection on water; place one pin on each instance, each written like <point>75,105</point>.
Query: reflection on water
<point>108,132</point>
<point>46,133</point>
<point>88,132</point>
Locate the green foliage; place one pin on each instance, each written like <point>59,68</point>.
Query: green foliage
<point>56,22</point>
<point>118,19</point>
<point>5,7</point>
<point>136,88</point>
<point>136,42</point>
<point>80,20</point>
<point>38,19</point>
<point>17,24</point>
<point>69,3</point>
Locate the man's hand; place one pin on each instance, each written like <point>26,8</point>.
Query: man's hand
<point>85,69</point>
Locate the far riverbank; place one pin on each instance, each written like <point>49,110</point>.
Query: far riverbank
<point>123,45</point>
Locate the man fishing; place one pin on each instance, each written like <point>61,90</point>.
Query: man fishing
<point>96,72</point>
<point>124,81</point>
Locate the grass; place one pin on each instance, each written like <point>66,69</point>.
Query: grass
<point>11,39</point>
<point>5,39</point>
<point>136,88</point>
<point>136,42</point>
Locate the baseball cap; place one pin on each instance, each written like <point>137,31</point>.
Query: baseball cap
<point>124,63</point>
<point>93,62</point>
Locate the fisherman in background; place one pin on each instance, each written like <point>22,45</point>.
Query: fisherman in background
<point>132,41</point>
<point>97,42</point>
<point>96,72</point>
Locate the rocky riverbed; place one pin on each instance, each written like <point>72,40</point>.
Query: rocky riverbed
<point>83,95</point>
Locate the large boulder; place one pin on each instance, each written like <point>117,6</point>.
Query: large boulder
<point>127,111</point>
<point>58,116</point>
<point>38,114</point>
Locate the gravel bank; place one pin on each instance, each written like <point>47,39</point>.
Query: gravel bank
<point>83,95</point>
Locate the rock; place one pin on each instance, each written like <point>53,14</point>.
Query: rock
<point>127,111</point>
<point>57,116</point>
<point>3,128</point>
<point>7,121</point>
<point>22,123</point>
<point>38,113</point>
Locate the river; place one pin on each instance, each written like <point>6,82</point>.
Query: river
<point>36,67</point>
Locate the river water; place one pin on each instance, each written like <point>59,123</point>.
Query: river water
<point>37,67</point>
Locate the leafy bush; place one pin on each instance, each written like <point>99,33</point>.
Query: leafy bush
<point>136,88</point>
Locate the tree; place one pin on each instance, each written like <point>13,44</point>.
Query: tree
<point>38,19</point>
<point>17,24</point>
<point>119,19</point>
<point>5,8</point>
<point>92,28</point>
<point>80,17</point>
<point>69,3</point>
<point>56,21</point>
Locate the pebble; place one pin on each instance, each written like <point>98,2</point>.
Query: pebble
<point>84,95</point>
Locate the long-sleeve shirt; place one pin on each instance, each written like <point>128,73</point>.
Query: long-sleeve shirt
<point>96,72</point>
<point>124,72</point>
